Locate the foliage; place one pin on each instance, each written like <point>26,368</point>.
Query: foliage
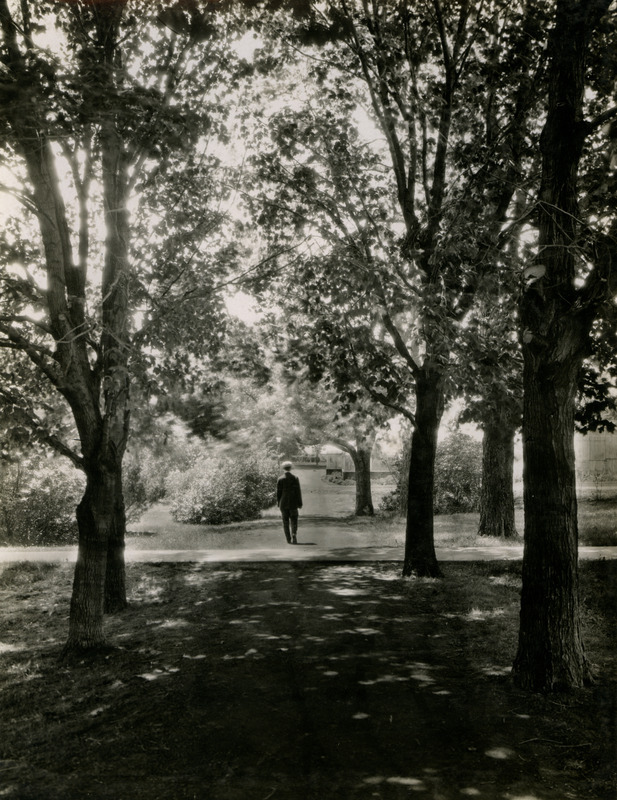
<point>458,474</point>
<point>143,481</point>
<point>391,502</point>
<point>211,392</point>
<point>392,173</point>
<point>394,192</point>
<point>160,443</point>
<point>215,491</point>
<point>596,408</point>
<point>458,477</point>
<point>337,478</point>
<point>38,501</point>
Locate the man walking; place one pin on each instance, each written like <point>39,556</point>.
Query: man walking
<point>289,500</point>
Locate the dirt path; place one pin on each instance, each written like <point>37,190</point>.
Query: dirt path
<point>326,534</point>
<point>303,552</point>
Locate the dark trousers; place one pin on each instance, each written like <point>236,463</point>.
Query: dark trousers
<point>290,522</point>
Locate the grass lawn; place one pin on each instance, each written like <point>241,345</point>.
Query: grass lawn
<point>299,681</point>
<point>157,530</point>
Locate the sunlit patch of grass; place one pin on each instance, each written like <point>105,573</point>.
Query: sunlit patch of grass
<point>597,522</point>
<point>413,783</point>
<point>174,623</point>
<point>506,580</point>
<point>21,573</point>
<point>500,753</point>
<point>495,671</point>
<point>27,670</point>
<point>480,615</point>
<point>10,648</point>
<point>384,679</point>
<point>148,589</point>
<point>343,592</point>
<point>195,578</point>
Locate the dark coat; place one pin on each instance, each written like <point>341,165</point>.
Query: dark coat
<point>288,494</point>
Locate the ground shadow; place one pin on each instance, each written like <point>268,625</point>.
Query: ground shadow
<point>299,681</point>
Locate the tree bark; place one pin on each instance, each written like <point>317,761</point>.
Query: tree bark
<point>94,519</point>
<point>361,457</point>
<point>115,573</point>
<point>550,651</point>
<point>420,557</point>
<point>555,335</point>
<point>497,493</point>
<point>114,338</point>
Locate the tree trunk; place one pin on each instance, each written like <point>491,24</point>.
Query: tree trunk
<point>420,558</point>
<point>94,519</point>
<point>497,494</point>
<point>361,456</point>
<point>115,335</point>
<point>556,322</point>
<point>550,651</point>
<point>115,575</point>
<point>403,481</point>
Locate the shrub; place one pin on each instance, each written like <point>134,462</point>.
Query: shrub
<point>38,501</point>
<point>390,504</point>
<point>458,477</point>
<point>148,462</point>
<point>339,480</point>
<point>143,481</point>
<point>215,491</point>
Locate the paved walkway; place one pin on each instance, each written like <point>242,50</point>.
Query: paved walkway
<point>301,552</point>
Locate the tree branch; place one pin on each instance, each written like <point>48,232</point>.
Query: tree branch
<point>30,320</point>
<point>601,119</point>
<point>37,428</point>
<point>34,352</point>
<point>380,102</point>
<point>398,340</point>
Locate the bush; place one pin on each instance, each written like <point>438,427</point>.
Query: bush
<point>143,481</point>
<point>215,491</point>
<point>38,502</point>
<point>147,464</point>
<point>390,504</point>
<point>338,479</point>
<point>458,477</point>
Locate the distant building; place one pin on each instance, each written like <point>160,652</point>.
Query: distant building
<point>596,457</point>
<point>338,462</point>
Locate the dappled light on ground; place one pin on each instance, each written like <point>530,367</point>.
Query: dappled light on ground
<point>9,648</point>
<point>412,783</point>
<point>500,752</point>
<point>293,681</point>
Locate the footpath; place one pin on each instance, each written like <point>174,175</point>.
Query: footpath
<point>156,537</point>
<point>300,552</point>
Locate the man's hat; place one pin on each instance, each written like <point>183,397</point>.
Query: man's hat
<point>287,465</point>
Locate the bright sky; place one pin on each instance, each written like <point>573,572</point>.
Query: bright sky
<point>243,307</point>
